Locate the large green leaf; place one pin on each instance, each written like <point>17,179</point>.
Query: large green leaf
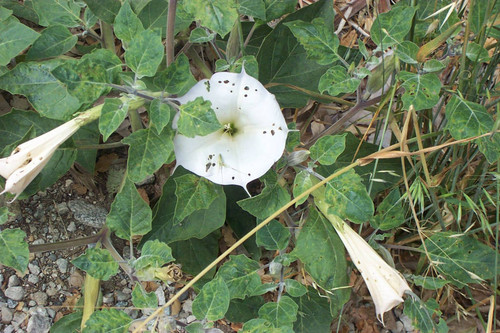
<point>254,8</point>
<point>47,95</point>
<point>282,59</point>
<point>461,259</point>
<point>313,314</point>
<point>145,53</point>
<point>348,198</point>
<point>273,236</point>
<point>336,81</point>
<point>317,38</point>
<point>50,12</point>
<point>421,314</point>
<point>391,27</point>
<point>467,119</point>
<point>14,37</point>
<point>153,254</point>
<point>390,212</point>
<point>87,135</point>
<point>130,215</point>
<point>177,78</point>
<point>217,15</point>
<point>199,224</point>
<point>322,253</point>
<point>54,41</point>
<point>108,320</point>
<point>240,275</point>
<point>70,323</point>
<point>327,149</point>
<point>148,152</point>
<point>113,113</point>
<point>282,313</point>
<point>160,114</point>
<point>127,24</point>
<point>197,118</point>
<point>421,91</point>
<point>106,10</point>
<point>21,9</point>
<point>153,15</point>
<point>277,8</point>
<point>241,310</point>
<point>213,301</point>
<point>302,182</point>
<point>15,251</point>
<point>272,197</point>
<point>407,52</point>
<point>98,263</point>
<point>193,193</point>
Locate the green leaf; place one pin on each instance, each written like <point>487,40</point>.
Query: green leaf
<point>21,9</point>
<point>407,52</point>
<point>160,114</point>
<point>322,253</point>
<point>478,14</point>
<point>54,40</point>
<point>47,95</point>
<point>420,314</point>
<point>51,12</point>
<point>273,236</point>
<point>467,119</point>
<point>282,313</point>
<point>212,302</point>
<point>199,224</point>
<point>98,263</point>
<point>14,37</point>
<point>87,135</point>
<point>391,27</point>
<point>4,215</point>
<point>127,24</point>
<point>254,8</point>
<point>15,251</point>
<point>489,147</point>
<point>108,320</point>
<point>216,15</point>
<point>70,323</point>
<point>4,13</point>
<point>145,53</point>
<point>148,152</point>
<point>196,254</point>
<point>313,314</point>
<point>258,326</point>
<point>428,282</point>
<point>200,35</point>
<point>130,215</point>
<point>154,15</point>
<point>241,310</point>
<point>272,197</point>
<point>336,81</point>
<point>390,212</point>
<point>301,183</point>
<point>105,10</point>
<point>193,193</point>
<point>433,65</point>
<point>328,148</point>
<point>421,91</point>
<point>240,275</point>
<point>153,254</point>
<point>295,288</point>
<point>277,8</point>
<point>461,259</point>
<point>348,198</point>
<point>113,113</point>
<point>177,78</point>
<point>142,299</point>
<point>317,39</point>
<point>197,118</point>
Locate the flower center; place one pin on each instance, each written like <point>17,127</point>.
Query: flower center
<point>229,129</point>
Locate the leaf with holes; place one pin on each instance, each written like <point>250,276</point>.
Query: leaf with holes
<point>421,91</point>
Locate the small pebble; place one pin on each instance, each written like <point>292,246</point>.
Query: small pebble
<point>13,281</point>
<point>62,208</point>
<point>38,324</point>
<point>15,293</point>
<point>71,227</point>
<point>62,264</point>
<point>40,298</point>
<point>190,319</point>
<point>33,279</point>
<point>7,314</point>
<point>11,304</point>
<point>121,296</point>
<point>108,298</point>
<point>34,269</point>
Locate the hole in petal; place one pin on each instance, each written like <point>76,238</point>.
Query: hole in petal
<point>220,81</point>
<point>264,132</point>
<point>280,128</point>
<point>226,81</point>
<point>232,177</point>
<point>272,132</point>
<point>247,88</point>
<point>17,150</point>
<point>246,95</point>
<point>249,174</point>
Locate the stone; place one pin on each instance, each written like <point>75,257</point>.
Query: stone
<point>406,323</point>
<point>71,227</point>
<point>187,306</point>
<point>18,318</point>
<point>34,269</point>
<point>88,214</point>
<point>190,319</point>
<point>108,298</point>
<point>33,279</point>
<point>62,208</point>
<point>40,298</point>
<point>38,323</point>
<point>121,296</point>
<point>7,314</point>
<point>62,264</point>
<point>13,281</point>
<point>9,329</point>
<point>15,293</point>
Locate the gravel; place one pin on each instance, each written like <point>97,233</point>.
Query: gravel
<point>88,214</point>
<point>15,293</point>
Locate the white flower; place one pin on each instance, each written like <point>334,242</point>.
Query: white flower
<point>386,285</point>
<point>252,137</point>
<point>29,158</point>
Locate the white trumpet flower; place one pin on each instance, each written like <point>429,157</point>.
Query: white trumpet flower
<point>386,285</point>
<point>29,158</point>
<point>251,139</point>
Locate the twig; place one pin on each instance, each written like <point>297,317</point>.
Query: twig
<point>170,41</point>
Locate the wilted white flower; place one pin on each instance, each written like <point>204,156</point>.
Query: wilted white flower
<point>251,139</point>
<point>28,159</point>
<point>386,285</point>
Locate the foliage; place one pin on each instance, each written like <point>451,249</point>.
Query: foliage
<point>424,76</point>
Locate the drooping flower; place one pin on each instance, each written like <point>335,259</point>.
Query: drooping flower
<point>251,139</point>
<point>386,285</point>
<point>28,159</point>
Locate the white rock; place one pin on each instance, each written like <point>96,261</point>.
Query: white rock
<point>15,293</point>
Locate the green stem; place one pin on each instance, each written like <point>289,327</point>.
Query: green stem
<point>170,41</point>
<point>67,243</point>
<point>108,38</point>
<point>199,63</point>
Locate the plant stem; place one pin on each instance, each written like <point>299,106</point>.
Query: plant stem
<point>108,39</point>
<point>170,41</point>
<point>67,243</point>
<point>199,63</point>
